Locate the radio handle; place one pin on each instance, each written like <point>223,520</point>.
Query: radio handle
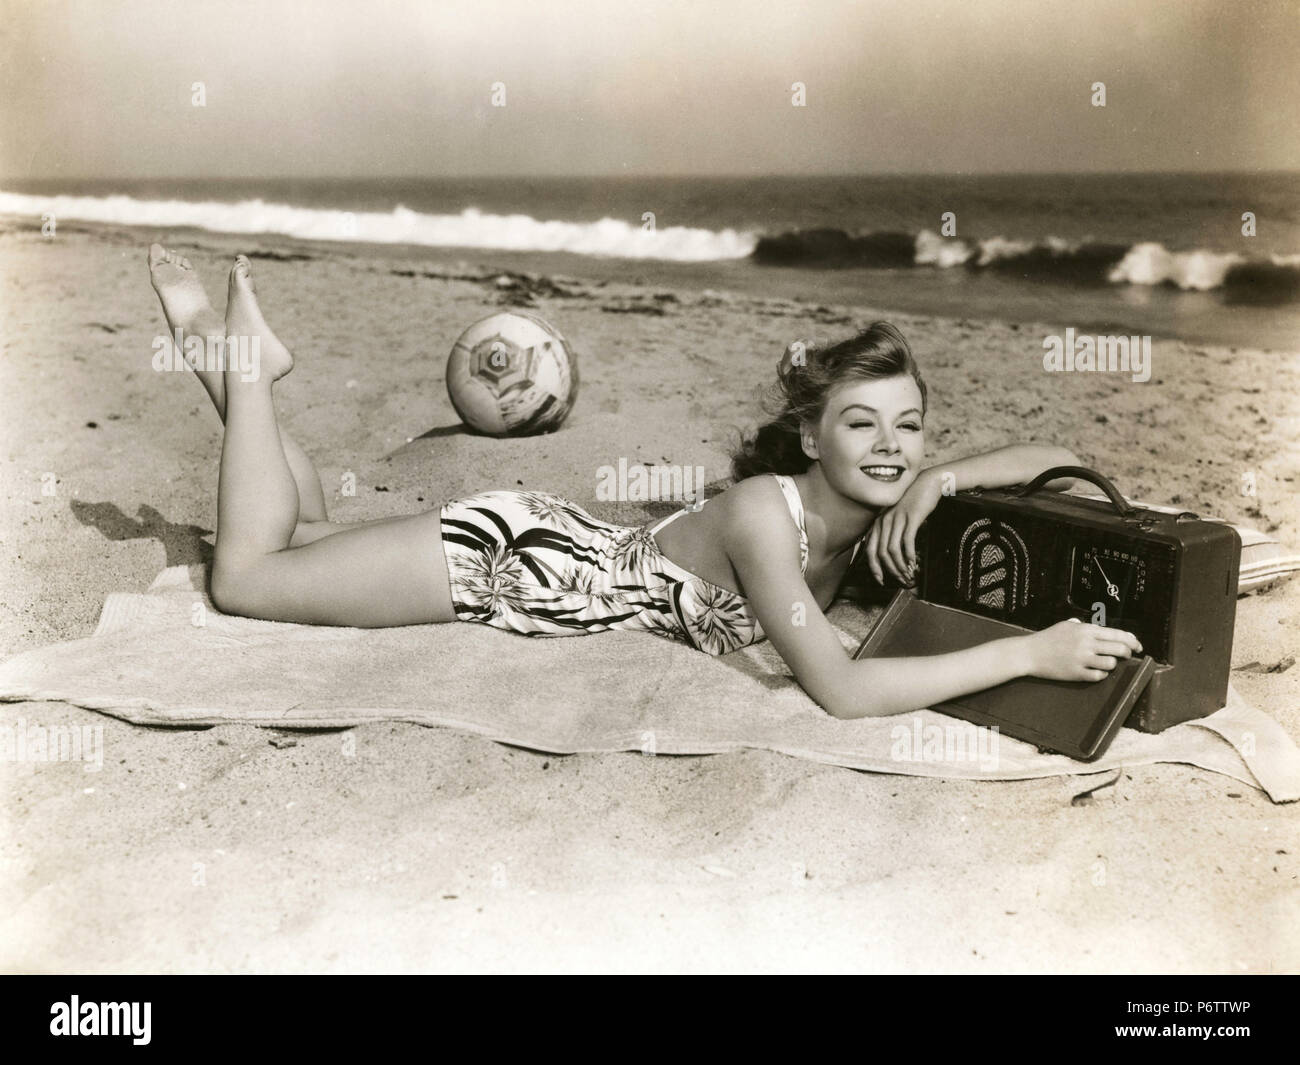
<point>1122,506</point>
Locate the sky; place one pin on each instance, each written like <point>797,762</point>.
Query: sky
<point>646,87</point>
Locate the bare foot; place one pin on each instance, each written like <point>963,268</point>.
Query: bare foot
<point>187,308</point>
<point>244,319</point>
<point>184,302</point>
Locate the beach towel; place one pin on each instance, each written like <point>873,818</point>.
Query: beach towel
<point>167,657</point>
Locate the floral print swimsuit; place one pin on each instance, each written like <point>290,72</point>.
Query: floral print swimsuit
<point>537,564</point>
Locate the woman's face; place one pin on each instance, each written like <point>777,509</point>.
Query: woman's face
<point>870,439</point>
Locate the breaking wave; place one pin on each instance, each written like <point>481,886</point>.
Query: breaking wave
<point>1272,280</point>
<point>471,228</point>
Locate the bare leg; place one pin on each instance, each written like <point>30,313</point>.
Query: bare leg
<point>383,573</point>
<point>186,307</point>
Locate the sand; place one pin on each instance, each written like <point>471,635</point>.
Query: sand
<point>398,848</point>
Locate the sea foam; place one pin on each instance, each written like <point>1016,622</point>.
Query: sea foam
<point>471,228</point>
<point>1275,279</point>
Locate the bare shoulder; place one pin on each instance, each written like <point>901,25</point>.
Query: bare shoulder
<point>754,517</point>
<point>763,548</point>
<point>754,497</point>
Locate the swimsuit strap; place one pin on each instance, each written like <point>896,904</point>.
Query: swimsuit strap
<point>792,500</point>
<point>666,521</point>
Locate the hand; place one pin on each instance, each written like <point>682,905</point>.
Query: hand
<point>1071,650</point>
<point>891,543</point>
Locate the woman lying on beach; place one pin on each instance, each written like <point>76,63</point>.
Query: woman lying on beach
<point>838,469</point>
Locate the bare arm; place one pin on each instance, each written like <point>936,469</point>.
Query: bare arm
<point>763,545</point>
<point>891,543</point>
<point>1013,464</point>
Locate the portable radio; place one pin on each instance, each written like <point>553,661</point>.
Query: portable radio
<point>1008,561</point>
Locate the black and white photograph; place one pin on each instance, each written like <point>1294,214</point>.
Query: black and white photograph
<point>664,487</point>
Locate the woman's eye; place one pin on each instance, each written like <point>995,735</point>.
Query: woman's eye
<point>911,425</point>
<point>861,425</point>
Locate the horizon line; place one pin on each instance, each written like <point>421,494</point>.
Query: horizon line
<point>664,176</point>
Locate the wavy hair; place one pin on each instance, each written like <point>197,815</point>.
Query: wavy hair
<point>804,385</point>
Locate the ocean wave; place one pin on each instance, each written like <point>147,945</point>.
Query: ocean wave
<point>1271,280</point>
<point>1083,262</point>
<point>471,228</point>
<point>943,252</point>
<point>1154,264</point>
<point>1259,281</point>
<point>1049,258</point>
<point>836,248</point>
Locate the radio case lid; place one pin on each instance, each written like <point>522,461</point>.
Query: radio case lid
<point>1075,718</point>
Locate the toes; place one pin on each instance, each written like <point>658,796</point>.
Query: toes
<point>185,263</point>
<point>157,254</point>
<point>242,271</point>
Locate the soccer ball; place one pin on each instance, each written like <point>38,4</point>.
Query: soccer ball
<point>512,374</point>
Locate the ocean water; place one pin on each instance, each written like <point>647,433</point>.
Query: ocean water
<point>1151,253</point>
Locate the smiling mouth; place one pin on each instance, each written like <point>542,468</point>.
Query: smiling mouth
<point>883,473</point>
